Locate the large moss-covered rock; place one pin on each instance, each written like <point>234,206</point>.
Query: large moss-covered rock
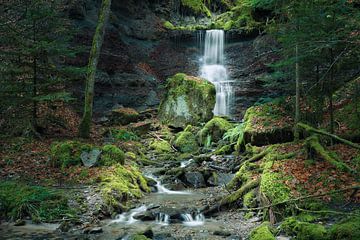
<point>215,128</point>
<point>186,141</point>
<point>262,233</point>
<point>188,100</point>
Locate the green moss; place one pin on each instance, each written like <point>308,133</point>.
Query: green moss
<point>161,146</point>
<point>262,233</point>
<point>188,100</point>
<point>124,116</point>
<point>273,186</point>
<point>138,237</point>
<point>197,6</point>
<point>348,229</point>
<point>169,25</point>
<point>186,141</point>
<point>223,150</point>
<point>111,155</point>
<point>242,176</point>
<point>249,199</point>
<point>121,184</point>
<point>18,200</point>
<point>215,128</point>
<point>64,154</point>
<point>130,156</point>
<point>303,230</point>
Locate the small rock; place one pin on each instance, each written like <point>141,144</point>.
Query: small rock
<point>195,179</point>
<point>90,159</point>
<point>145,216</point>
<point>222,233</point>
<point>19,222</point>
<point>96,230</point>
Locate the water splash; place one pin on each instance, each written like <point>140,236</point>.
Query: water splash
<point>162,219</point>
<point>189,221</point>
<point>213,69</point>
<point>128,217</point>
<point>161,189</point>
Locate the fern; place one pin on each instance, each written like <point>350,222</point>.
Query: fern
<point>235,133</point>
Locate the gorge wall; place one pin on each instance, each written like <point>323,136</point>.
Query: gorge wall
<point>139,54</point>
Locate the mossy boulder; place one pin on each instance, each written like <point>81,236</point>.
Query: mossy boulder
<point>123,116</point>
<point>111,155</point>
<point>262,233</point>
<point>121,183</point>
<point>249,199</point>
<point>215,128</point>
<point>303,230</point>
<point>188,100</point>
<point>186,141</point>
<point>266,124</point>
<point>67,153</point>
<point>347,229</point>
<point>161,146</point>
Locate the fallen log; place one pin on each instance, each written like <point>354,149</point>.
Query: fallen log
<point>310,129</point>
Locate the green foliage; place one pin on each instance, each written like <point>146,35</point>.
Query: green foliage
<point>186,141</point>
<point>249,199</point>
<point>18,200</point>
<point>233,134</point>
<point>273,186</point>
<point>64,154</point>
<point>169,25</point>
<point>198,6</point>
<point>161,146</point>
<point>124,135</point>
<point>111,155</point>
<point>216,128</point>
<point>35,43</point>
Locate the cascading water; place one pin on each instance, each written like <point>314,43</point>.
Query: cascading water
<point>192,222</point>
<point>162,219</point>
<point>128,217</point>
<point>213,69</point>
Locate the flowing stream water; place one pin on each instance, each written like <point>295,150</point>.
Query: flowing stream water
<point>214,70</point>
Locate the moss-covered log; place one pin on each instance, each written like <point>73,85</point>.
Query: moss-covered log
<point>233,197</point>
<point>310,129</point>
<point>313,144</point>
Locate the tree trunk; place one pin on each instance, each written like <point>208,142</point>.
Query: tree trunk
<point>297,89</point>
<point>85,125</point>
<point>34,90</point>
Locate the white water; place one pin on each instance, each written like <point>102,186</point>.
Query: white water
<point>186,163</point>
<point>213,69</point>
<point>191,222</point>
<point>163,219</point>
<point>128,217</point>
<point>163,190</point>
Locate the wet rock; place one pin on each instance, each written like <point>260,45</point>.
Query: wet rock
<point>176,186</point>
<point>148,233</point>
<point>234,238</point>
<point>223,233</point>
<point>90,159</point>
<point>188,100</point>
<point>219,179</point>
<point>195,179</point>
<point>19,222</point>
<point>145,216</point>
<point>94,230</point>
<point>174,213</point>
<point>65,226</point>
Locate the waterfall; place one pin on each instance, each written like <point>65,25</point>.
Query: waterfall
<point>128,217</point>
<point>162,219</point>
<point>213,70</point>
<point>191,222</point>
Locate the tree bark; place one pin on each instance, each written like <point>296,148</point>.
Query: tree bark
<point>297,97</point>
<point>85,125</point>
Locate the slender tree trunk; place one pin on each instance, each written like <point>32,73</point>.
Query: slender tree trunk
<point>34,87</point>
<point>331,107</point>
<point>85,125</point>
<point>297,97</point>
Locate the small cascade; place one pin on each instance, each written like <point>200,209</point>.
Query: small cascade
<point>190,221</point>
<point>128,217</point>
<point>163,190</point>
<point>213,69</point>
<point>186,163</point>
<point>162,219</point>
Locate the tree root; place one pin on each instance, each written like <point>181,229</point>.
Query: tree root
<point>310,129</point>
<point>313,144</point>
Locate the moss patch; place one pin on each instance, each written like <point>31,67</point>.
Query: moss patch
<point>303,230</point>
<point>161,146</point>
<point>215,128</point>
<point>111,155</point>
<point>64,154</point>
<point>197,6</point>
<point>348,229</point>
<point>122,183</point>
<point>262,233</point>
<point>186,141</point>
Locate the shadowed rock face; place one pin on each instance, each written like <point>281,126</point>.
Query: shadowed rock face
<point>138,55</point>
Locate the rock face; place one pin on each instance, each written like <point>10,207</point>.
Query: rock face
<point>188,100</point>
